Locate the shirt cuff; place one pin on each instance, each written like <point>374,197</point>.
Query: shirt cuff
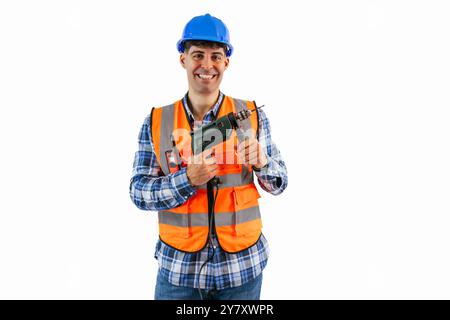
<point>183,189</point>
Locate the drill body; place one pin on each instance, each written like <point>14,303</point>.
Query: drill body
<point>218,131</point>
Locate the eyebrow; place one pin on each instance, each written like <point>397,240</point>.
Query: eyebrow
<point>199,51</point>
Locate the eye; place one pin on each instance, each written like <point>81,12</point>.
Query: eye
<point>217,57</point>
<point>198,56</point>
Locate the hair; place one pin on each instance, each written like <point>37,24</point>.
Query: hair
<point>204,44</point>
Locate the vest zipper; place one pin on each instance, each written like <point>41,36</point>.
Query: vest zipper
<point>211,217</point>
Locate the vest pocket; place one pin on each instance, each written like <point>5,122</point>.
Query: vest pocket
<point>245,196</point>
<point>246,216</point>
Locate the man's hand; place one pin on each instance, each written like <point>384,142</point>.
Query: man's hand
<point>250,152</point>
<point>201,168</point>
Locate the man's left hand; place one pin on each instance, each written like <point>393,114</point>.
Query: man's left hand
<point>250,152</point>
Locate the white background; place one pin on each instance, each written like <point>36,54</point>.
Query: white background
<point>358,97</point>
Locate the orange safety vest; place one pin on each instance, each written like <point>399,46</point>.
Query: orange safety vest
<point>237,217</point>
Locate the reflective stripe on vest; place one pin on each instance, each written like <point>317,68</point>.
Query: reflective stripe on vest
<point>201,219</point>
<point>237,215</point>
<point>234,179</point>
<point>166,132</point>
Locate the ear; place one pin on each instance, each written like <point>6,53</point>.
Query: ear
<point>227,61</point>
<point>183,60</point>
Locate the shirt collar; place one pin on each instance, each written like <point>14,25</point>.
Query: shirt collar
<point>214,109</point>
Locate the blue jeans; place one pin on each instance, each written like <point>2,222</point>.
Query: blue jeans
<point>164,290</point>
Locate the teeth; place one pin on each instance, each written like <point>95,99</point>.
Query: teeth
<point>204,76</point>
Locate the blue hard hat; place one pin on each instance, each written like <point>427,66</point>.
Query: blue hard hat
<point>207,28</point>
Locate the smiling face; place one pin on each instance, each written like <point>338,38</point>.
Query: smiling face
<point>205,67</point>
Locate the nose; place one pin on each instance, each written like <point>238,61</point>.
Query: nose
<point>207,62</point>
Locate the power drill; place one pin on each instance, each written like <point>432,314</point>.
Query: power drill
<point>218,131</point>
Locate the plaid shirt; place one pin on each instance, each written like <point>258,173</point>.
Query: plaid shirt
<point>151,190</point>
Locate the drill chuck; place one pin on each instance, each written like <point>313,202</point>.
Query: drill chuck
<point>244,114</point>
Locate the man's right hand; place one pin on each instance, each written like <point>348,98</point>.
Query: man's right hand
<point>201,168</point>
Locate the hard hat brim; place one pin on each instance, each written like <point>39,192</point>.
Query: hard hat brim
<point>180,43</point>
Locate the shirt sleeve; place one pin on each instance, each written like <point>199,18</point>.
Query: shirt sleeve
<point>273,177</point>
<point>150,189</point>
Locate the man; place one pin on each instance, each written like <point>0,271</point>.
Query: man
<point>211,245</point>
